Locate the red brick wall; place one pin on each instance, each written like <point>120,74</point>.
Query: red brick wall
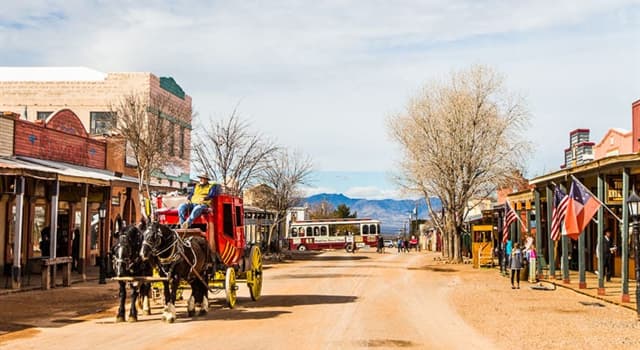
<point>67,121</point>
<point>42,142</point>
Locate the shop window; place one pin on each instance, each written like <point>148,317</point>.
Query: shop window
<point>101,123</point>
<point>43,115</point>
<point>39,221</point>
<point>172,139</point>
<point>181,145</point>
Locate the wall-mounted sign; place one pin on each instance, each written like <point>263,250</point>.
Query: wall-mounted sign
<point>115,201</point>
<point>614,190</point>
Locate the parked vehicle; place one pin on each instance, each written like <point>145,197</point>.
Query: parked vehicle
<point>388,243</point>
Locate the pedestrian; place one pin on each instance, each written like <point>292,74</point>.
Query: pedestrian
<point>380,244</point>
<point>516,265</point>
<point>507,256</point>
<point>413,243</point>
<point>75,250</point>
<point>405,244</point>
<point>609,251</point>
<point>532,256</point>
<point>400,241</point>
<point>45,245</point>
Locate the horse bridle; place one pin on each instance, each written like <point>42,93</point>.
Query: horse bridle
<point>176,249</point>
<point>120,257</point>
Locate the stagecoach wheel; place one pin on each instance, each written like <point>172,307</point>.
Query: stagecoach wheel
<point>255,284</point>
<point>302,248</point>
<point>230,287</point>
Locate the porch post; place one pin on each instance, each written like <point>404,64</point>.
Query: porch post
<point>16,273</point>
<point>565,255</point>
<point>53,240</point>
<point>625,236</point>
<point>582,278</point>
<point>84,232</point>
<point>550,250</point>
<point>536,194</point>
<point>601,237</point>
<point>83,261</point>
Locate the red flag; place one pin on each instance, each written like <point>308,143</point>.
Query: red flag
<point>581,208</point>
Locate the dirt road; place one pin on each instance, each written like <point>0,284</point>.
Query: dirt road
<point>340,301</point>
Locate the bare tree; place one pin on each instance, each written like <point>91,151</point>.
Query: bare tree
<point>460,139</point>
<point>284,173</point>
<point>229,151</point>
<point>140,120</point>
<point>322,210</point>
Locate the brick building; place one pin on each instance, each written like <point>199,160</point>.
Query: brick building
<point>38,92</point>
<point>59,165</point>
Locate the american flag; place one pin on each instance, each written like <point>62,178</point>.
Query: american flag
<point>560,202</point>
<point>509,218</point>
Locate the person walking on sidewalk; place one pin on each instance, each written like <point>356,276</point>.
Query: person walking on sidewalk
<point>532,257</point>
<point>516,265</point>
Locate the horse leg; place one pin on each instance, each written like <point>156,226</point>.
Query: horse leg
<point>139,299</point>
<point>191,305</point>
<point>167,300</point>
<point>201,299</point>
<point>133,311</point>
<point>172,306</point>
<point>122,294</point>
<point>145,294</point>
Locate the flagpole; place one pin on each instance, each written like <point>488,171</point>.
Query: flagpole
<point>597,199</point>
<point>519,219</point>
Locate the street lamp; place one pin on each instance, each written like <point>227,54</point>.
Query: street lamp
<point>102,213</point>
<point>634,209</point>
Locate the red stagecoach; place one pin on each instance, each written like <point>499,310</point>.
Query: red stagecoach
<point>222,224</point>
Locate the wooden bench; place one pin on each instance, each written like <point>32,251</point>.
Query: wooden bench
<point>49,269</point>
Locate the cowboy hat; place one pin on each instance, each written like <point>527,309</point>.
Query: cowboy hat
<point>204,176</point>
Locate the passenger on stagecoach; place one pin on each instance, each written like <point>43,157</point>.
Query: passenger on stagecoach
<point>197,201</point>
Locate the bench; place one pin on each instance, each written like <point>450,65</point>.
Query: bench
<point>49,269</point>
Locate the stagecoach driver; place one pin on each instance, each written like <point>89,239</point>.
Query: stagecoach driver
<point>197,201</point>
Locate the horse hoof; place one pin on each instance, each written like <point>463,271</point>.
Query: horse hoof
<point>119,319</point>
<point>147,312</point>
<point>171,320</point>
<point>191,313</point>
<point>202,312</point>
<point>132,319</point>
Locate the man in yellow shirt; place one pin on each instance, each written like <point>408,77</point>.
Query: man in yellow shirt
<point>197,201</point>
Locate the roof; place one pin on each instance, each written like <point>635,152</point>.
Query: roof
<point>50,170</point>
<point>50,74</point>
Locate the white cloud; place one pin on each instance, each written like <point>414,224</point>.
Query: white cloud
<point>323,76</point>
<point>310,191</point>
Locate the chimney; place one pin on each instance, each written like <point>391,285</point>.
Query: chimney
<point>635,125</point>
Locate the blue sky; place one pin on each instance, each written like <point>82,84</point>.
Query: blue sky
<point>323,77</point>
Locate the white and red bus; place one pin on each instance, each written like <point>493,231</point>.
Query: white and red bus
<point>332,234</point>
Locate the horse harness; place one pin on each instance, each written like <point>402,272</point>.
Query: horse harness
<point>177,252</point>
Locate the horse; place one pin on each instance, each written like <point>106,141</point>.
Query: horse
<point>188,259</point>
<point>126,262</point>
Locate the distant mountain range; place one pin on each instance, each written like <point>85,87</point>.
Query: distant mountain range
<point>393,213</point>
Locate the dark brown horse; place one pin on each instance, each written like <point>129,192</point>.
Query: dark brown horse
<point>188,259</point>
<point>126,262</point>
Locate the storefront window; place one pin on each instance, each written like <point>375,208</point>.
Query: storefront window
<point>95,226</point>
<point>39,221</point>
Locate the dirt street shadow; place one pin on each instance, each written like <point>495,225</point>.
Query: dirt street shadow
<point>317,275</point>
<point>301,299</point>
